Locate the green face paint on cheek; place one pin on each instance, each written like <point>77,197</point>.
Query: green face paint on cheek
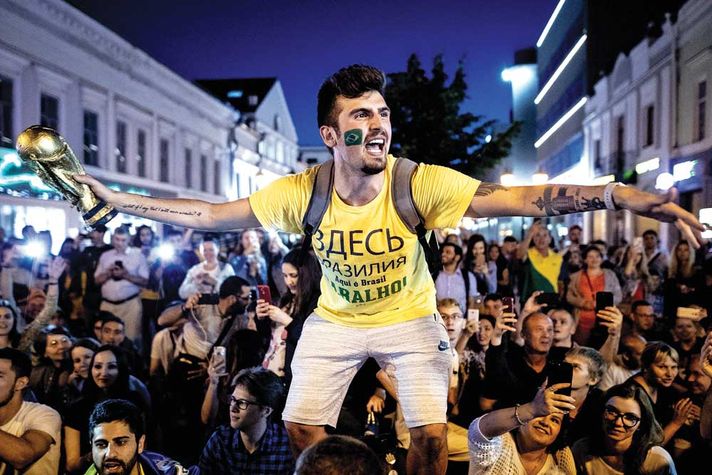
<point>353,137</point>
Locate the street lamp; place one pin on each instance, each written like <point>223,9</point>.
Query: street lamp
<point>540,178</point>
<point>664,181</point>
<point>507,178</point>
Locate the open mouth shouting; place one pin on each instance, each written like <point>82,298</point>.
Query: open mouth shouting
<point>376,146</point>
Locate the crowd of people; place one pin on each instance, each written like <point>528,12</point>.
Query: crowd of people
<point>495,360</point>
<point>173,336</point>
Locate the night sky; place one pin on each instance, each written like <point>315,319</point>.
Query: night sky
<point>301,42</point>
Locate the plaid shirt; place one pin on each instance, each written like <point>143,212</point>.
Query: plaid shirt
<point>225,453</point>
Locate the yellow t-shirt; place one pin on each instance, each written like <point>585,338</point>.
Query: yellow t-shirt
<point>374,269</point>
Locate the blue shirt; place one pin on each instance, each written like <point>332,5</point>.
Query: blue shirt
<point>226,453</point>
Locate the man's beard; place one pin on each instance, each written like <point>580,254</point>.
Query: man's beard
<point>126,467</point>
<point>367,170</point>
<point>9,397</point>
<point>374,169</point>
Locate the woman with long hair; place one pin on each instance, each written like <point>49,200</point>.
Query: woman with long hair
<point>110,379</point>
<point>584,286</point>
<point>81,354</point>
<point>9,336</point>
<point>684,282</point>
<point>295,306</point>
<point>144,240</point>
<point>476,262</point>
<point>628,440</point>
<point>636,282</point>
<point>247,259</point>
<point>494,254</point>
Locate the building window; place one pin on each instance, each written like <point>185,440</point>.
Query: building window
<point>141,152</point>
<point>188,168</point>
<point>649,125</point>
<point>203,173</point>
<point>49,111</point>
<point>216,178</point>
<point>6,132</point>
<point>277,123</point>
<point>91,138</point>
<point>163,160</point>
<point>596,154</point>
<point>250,184</point>
<point>120,147</point>
<point>620,144</point>
<point>237,182</point>
<point>701,109</point>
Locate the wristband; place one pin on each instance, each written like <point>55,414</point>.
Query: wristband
<point>516,415</point>
<point>608,195</point>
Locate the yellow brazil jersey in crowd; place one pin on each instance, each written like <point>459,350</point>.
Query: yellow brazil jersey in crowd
<point>374,269</point>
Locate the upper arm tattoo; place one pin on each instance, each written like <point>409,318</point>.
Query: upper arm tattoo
<point>487,188</point>
<point>567,199</point>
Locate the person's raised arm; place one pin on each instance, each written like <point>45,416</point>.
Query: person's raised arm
<point>56,268</point>
<point>523,246</point>
<point>611,318</point>
<point>492,199</point>
<point>188,213</point>
<point>546,402</point>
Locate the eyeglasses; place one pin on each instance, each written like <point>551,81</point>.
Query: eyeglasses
<point>628,419</point>
<point>454,317</point>
<point>242,404</point>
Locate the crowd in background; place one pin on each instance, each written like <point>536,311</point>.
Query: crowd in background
<point>184,328</point>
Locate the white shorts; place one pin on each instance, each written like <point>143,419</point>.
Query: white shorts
<point>415,355</point>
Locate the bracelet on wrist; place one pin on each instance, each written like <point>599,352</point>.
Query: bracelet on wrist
<point>608,195</point>
<point>516,416</point>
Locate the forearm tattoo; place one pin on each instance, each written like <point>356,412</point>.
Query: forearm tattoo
<point>145,210</point>
<point>487,188</point>
<point>566,200</point>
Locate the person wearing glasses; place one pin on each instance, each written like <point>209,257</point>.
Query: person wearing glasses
<point>252,442</point>
<point>627,440</point>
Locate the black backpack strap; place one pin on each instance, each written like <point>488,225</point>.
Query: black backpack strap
<point>402,195</point>
<point>318,204</point>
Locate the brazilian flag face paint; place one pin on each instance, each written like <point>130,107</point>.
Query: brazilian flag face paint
<point>353,137</point>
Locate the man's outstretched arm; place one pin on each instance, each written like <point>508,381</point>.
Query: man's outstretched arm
<point>179,212</point>
<point>492,199</point>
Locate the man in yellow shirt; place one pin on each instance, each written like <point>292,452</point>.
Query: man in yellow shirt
<point>377,296</point>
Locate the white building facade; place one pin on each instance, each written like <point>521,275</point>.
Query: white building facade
<point>134,124</point>
<point>648,119</point>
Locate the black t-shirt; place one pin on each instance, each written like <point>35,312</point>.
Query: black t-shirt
<point>509,379</point>
<point>587,418</point>
<point>89,261</point>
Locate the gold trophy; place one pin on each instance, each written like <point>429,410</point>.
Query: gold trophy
<point>49,156</point>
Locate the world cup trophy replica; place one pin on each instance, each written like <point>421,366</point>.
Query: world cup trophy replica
<point>47,154</point>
